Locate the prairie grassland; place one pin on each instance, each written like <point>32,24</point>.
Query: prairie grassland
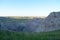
<point>6,35</point>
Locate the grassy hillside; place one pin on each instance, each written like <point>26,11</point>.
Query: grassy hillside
<point>6,35</point>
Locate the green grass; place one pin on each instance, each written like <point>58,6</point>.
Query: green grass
<point>6,35</point>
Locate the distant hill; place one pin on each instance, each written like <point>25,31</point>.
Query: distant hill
<point>24,17</point>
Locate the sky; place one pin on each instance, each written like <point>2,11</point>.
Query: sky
<point>28,7</point>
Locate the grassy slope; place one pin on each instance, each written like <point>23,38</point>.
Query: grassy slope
<point>6,35</point>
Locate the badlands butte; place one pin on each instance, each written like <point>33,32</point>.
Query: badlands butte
<point>31,24</point>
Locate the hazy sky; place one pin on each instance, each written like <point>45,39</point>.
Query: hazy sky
<point>28,7</point>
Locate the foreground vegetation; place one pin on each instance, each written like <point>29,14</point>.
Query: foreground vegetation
<point>6,35</point>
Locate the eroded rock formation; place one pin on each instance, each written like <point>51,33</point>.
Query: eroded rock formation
<point>50,23</point>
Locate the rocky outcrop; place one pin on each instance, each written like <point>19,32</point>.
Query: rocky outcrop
<point>36,25</point>
<point>11,25</point>
<point>50,23</point>
<point>53,21</point>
